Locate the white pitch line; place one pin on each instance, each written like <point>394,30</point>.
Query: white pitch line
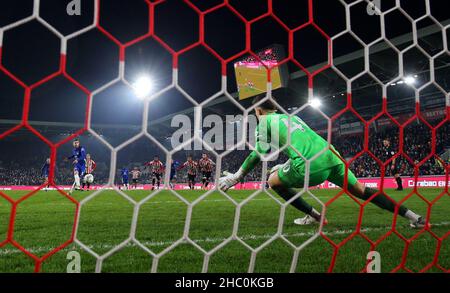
<point>177,201</point>
<point>172,202</point>
<point>205,200</point>
<point>307,197</point>
<point>45,249</point>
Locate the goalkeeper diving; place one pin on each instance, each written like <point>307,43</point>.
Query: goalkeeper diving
<point>323,166</point>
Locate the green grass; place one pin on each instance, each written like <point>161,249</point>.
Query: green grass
<point>45,221</point>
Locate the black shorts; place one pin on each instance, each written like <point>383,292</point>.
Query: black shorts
<point>191,177</point>
<point>135,180</point>
<point>157,176</point>
<point>207,175</point>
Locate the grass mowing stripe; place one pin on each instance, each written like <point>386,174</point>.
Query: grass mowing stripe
<point>38,250</point>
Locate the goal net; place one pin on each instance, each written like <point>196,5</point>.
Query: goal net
<point>371,77</point>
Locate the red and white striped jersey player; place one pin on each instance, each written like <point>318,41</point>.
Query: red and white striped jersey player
<point>135,174</point>
<point>157,170</point>
<point>192,167</point>
<point>206,166</point>
<point>90,168</point>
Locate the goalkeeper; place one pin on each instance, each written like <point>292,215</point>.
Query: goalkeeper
<point>326,166</point>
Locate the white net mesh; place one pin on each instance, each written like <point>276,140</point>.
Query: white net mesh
<point>377,44</point>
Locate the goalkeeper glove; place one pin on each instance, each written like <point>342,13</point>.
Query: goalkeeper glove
<point>275,168</point>
<point>230,180</point>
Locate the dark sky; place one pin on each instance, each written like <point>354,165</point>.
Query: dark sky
<point>31,52</point>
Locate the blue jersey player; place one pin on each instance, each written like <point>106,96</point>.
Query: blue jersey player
<point>125,175</point>
<point>173,172</point>
<point>45,170</point>
<point>79,163</point>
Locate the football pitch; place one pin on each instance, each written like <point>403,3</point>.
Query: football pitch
<point>45,220</point>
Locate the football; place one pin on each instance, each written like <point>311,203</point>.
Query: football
<point>89,178</point>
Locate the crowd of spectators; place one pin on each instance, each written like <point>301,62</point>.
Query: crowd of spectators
<point>417,145</point>
<point>14,173</point>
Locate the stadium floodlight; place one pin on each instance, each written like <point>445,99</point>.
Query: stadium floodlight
<point>143,86</point>
<point>410,80</point>
<point>315,103</point>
